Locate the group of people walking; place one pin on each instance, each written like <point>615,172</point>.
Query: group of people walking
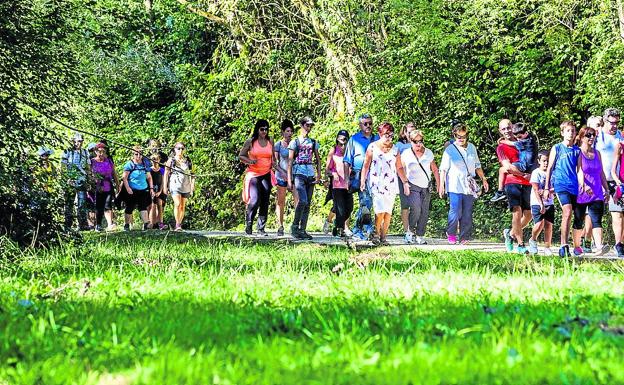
<point>582,172</point>
<point>92,187</point>
<point>370,165</point>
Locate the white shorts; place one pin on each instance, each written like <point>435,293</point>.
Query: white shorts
<point>383,203</point>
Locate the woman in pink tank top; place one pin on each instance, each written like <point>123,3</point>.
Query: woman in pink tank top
<point>343,200</point>
<point>257,154</point>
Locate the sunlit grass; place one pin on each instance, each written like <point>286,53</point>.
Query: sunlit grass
<point>189,310</point>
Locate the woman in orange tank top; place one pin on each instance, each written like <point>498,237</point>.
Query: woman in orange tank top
<point>257,154</point>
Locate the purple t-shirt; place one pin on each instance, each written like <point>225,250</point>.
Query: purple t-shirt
<point>103,172</point>
<point>592,169</point>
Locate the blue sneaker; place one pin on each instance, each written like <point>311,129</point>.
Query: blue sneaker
<point>564,251</point>
<point>508,240</point>
<point>522,249</point>
<point>578,252</point>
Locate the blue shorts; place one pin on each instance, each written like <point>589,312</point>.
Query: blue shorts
<point>549,215</point>
<point>566,198</point>
<point>282,182</point>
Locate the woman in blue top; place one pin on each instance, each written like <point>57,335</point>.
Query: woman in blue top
<point>561,174</point>
<point>137,181</point>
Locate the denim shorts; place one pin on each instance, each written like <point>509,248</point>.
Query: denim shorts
<point>566,198</point>
<point>549,215</point>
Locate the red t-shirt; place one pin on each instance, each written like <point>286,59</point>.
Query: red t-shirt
<point>511,153</point>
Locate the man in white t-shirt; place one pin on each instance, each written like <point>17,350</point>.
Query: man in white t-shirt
<point>607,143</point>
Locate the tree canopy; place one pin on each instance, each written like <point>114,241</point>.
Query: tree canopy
<point>203,71</point>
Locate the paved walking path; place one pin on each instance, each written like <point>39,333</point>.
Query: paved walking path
<point>433,244</point>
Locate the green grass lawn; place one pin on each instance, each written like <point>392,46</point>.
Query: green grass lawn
<point>182,310</point>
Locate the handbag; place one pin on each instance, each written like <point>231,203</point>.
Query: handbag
<point>354,181</point>
<point>429,181</point>
<point>473,187</point>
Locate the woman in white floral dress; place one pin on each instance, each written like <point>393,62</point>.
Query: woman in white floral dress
<point>382,168</point>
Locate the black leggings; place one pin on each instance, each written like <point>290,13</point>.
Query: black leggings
<point>259,196</point>
<point>103,202</point>
<point>595,210</point>
<point>343,205</point>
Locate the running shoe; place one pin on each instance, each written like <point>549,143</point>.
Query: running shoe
<point>578,251</point>
<point>564,251</point>
<point>347,233</point>
<point>601,250</point>
<point>306,235</point>
<point>508,240</point>
<point>98,228</point>
<point>452,239</point>
<point>548,252</point>
<point>522,249</point>
<point>162,226</point>
<point>384,242</point>
<point>263,233</point>
<point>178,228</point>
<point>619,250</point>
<point>126,227</point>
<point>326,226</point>
<point>532,247</point>
<point>409,238</point>
<point>464,242</point>
<point>498,196</point>
<point>420,241</point>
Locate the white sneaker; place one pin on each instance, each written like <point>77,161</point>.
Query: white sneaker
<point>326,226</point>
<point>548,252</point>
<point>409,238</point>
<point>532,247</point>
<point>601,250</point>
<point>348,233</point>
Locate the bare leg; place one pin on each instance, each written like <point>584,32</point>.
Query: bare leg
<point>108,214</point>
<point>386,225</point>
<point>378,222</point>
<point>501,179</point>
<point>516,224</point>
<point>588,229</point>
<point>526,218</point>
<point>597,234</point>
<point>405,219</point>
<point>280,205</point>
<point>537,229</point>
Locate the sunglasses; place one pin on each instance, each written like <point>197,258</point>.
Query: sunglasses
<point>613,123</point>
<point>136,154</point>
<point>418,141</point>
<point>367,123</point>
<point>179,148</point>
<point>590,135</point>
<point>263,129</point>
<point>461,136</point>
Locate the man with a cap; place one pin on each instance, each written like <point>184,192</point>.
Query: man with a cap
<point>76,166</point>
<point>353,163</point>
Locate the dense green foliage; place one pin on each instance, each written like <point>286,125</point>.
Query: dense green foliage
<point>152,310</point>
<point>203,71</point>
